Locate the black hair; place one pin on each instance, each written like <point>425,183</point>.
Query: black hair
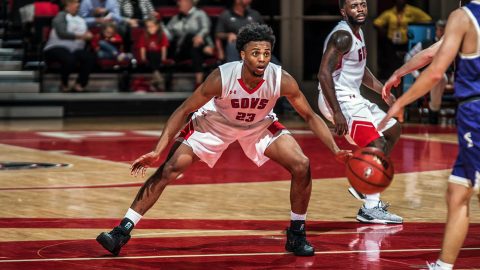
<point>341,3</point>
<point>254,32</point>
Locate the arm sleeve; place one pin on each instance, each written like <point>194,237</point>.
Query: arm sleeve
<point>169,28</point>
<point>84,12</point>
<point>60,26</point>
<point>148,6</point>
<point>257,16</point>
<point>420,15</point>
<point>221,22</point>
<point>164,42</point>
<point>204,23</point>
<point>114,9</point>
<point>141,43</point>
<point>381,20</point>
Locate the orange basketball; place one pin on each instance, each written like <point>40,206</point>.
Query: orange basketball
<point>369,170</point>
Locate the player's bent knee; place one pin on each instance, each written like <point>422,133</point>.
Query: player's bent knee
<point>458,195</point>
<point>380,143</point>
<point>300,167</point>
<point>170,172</point>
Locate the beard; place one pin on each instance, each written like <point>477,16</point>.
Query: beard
<point>354,21</point>
<point>258,75</point>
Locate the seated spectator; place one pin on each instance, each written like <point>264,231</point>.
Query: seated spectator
<point>109,44</point>
<point>153,50</point>
<point>97,12</point>
<point>139,10</point>
<point>66,45</point>
<point>189,33</point>
<point>228,24</point>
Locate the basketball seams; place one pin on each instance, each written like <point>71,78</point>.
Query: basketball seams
<point>374,165</point>
<point>363,180</point>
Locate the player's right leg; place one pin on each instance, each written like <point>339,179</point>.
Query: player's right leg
<point>458,200</point>
<point>181,156</point>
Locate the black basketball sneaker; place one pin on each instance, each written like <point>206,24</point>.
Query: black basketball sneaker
<point>298,244</point>
<point>114,240</point>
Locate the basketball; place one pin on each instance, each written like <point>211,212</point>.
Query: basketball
<point>369,170</point>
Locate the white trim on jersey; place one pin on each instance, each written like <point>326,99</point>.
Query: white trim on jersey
<point>477,27</point>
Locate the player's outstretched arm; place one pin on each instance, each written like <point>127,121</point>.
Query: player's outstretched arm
<point>292,92</point>
<point>371,82</point>
<point>418,61</point>
<point>457,25</point>
<point>339,43</point>
<point>206,91</point>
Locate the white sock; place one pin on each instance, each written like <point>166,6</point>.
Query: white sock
<point>439,265</point>
<point>371,200</point>
<point>133,216</point>
<point>294,216</point>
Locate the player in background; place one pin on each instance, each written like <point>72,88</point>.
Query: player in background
<point>342,71</point>
<point>234,103</point>
<point>461,43</point>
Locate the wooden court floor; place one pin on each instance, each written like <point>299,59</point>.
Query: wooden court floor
<point>230,217</point>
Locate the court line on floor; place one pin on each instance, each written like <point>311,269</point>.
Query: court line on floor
<point>112,185</point>
<point>228,255</point>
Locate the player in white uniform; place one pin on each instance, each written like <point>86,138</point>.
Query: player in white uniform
<point>234,103</point>
<point>342,71</point>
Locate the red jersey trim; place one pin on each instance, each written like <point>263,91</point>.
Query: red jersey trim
<point>363,133</point>
<point>187,130</point>
<point>244,86</point>
<point>358,36</point>
<point>276,127</point>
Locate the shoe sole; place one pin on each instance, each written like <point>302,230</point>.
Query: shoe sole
<point>377,221</point>
<point>301,255</point>
<point>102,240</point>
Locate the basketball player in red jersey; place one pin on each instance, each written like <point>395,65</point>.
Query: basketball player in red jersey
<point>342,71</point>
<point>234,103</point>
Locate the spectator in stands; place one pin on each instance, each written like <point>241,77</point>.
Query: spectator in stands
<point>189,33</point>
<point>418,57</point>
<point>393,24</point>
<point>109,44</point>
<point>139,10</point>
<point>66,45</point>
<point>97,12</point>
<point>437,91</point>
<point>153,50</point>
<point>228,24</point>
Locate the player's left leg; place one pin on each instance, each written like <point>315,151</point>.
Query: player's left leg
<point>391,136</point>
<point>286,151</point>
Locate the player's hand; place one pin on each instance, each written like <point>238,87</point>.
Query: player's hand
<point>390,100</point>
<point>231,38</point>
<point>393,81</point>
<point>341,126</point>
<point>394,110</point>
<point>198,41</point>
<point>143,162</point>
<point>343,156</point>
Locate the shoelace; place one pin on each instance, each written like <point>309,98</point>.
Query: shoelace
<point>302,241</point>
<point>384,205</point>
<point>431,266</point>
